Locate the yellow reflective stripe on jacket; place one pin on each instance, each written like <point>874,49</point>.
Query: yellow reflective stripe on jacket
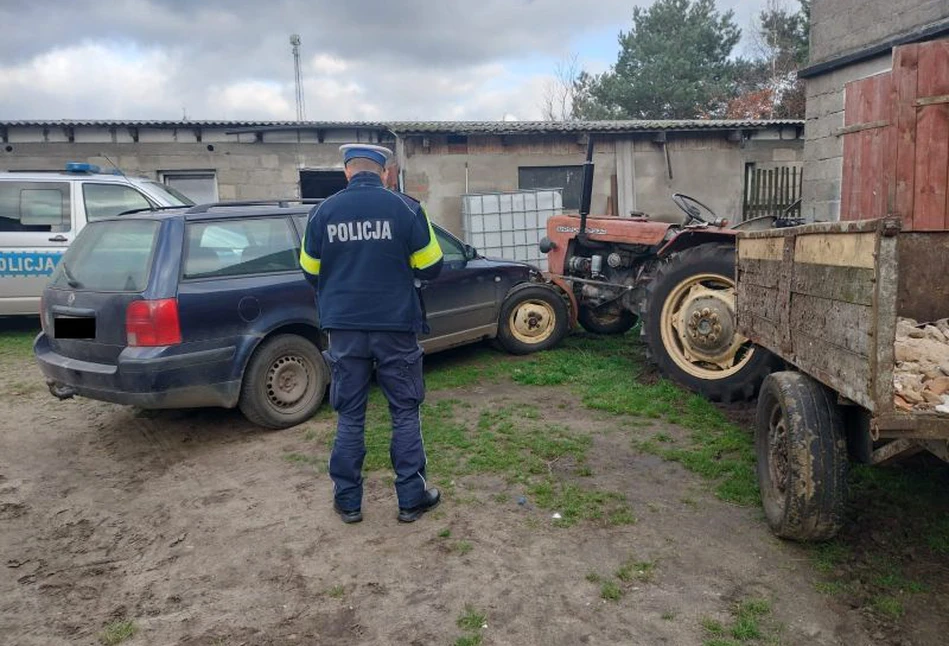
<point>429,254</point>
<point>310,264</point>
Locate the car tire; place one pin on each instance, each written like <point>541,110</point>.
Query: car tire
<point>532,318</point>
<point>284,383</point>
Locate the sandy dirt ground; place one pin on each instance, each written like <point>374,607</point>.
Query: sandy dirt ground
<point>197,527</point>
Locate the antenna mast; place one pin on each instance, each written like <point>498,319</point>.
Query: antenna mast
<point>298,78</point>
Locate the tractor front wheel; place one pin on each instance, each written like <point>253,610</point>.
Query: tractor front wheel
<point>690,330</point>
<point>610,319</point>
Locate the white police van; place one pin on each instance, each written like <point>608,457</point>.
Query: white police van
<point>41,212</point>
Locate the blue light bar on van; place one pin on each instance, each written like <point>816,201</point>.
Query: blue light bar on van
<point>81,167</point>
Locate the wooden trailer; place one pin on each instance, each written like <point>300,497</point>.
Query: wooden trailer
<point>826,299</point>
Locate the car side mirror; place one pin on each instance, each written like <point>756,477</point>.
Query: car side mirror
<point>470,252</point>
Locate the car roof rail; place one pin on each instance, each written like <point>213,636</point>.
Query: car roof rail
<point>280,203</point>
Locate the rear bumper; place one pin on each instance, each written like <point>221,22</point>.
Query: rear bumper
<point>185,380</point>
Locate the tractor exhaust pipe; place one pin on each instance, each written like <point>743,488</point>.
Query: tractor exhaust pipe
<point>586,191</point>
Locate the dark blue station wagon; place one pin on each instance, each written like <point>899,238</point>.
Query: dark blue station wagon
<point>207,306</point>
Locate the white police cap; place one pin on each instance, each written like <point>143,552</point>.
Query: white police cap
<point>378,154</point>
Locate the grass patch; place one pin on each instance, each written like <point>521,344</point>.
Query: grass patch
<point>749,623</point>
<point>471,619</point>
<point>937,535</point>
<point>445,533</point>
<point>469,640</point>
<point>336,592</point>
<point>827,556</point>
<point>462,547</point>
<point>306,460</point>
<point>831,588</point>
<point>510,441</point>
<point>604,374</point>
<point>117,632</point>
<point>642,571</point>
<point>575,503</point>
<point>611,591</point>
<point>888,606</point>
<point>713,626</point>
<point>668,616</point>
<point>593,577</point>
<point>17,344</point>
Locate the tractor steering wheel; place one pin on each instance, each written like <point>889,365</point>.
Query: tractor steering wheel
<point>694,209</point>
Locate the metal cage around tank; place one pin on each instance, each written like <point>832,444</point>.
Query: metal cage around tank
<point>510,224</point>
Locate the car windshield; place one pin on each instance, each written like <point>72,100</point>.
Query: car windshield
<point>173,197</point>
<point>109,256</point>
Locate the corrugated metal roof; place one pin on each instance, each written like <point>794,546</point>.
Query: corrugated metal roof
<point>431,127</point>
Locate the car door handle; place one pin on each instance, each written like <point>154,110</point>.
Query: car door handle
<point>59,238</point>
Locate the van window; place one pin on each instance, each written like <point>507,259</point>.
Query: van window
<point>240,247</point>
<point>109,256</point>
<point>109,200</point>
<point>34,206</point>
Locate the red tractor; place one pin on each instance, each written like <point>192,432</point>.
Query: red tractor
<point>678,279</point>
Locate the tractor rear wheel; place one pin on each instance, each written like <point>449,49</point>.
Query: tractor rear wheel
<point>690,330</point>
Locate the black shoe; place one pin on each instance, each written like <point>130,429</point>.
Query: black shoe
<point>430,500</point>
<point>354,516</point>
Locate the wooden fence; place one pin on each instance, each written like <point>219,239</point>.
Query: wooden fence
<point>772,192</point>
<point>896,141</point>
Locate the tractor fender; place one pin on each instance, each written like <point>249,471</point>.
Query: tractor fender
<point>693,237</point>
<point>567,293</point>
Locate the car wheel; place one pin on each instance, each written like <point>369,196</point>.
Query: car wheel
<point>533,317</point>
<point>284,383</point>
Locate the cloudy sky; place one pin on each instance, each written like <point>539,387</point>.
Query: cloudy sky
<point>362,59</point>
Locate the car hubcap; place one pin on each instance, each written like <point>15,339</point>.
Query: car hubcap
<point>698,328</point>
<point>532,321</point>
<point>287,381</point>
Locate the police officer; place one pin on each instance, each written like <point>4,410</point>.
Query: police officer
<point>363,250</point>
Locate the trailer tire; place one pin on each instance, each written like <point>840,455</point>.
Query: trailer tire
<point>801,457</point>
<point>710,264</point>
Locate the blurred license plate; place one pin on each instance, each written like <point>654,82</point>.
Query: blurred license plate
<point>74,327</point>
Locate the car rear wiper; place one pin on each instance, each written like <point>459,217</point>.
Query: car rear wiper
<point>150,208</point>
<point>69,277</point>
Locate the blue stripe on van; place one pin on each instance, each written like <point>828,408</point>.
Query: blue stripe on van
<point>28,263</point>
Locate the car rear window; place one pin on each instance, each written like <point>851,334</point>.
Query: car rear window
<point>111,256</point>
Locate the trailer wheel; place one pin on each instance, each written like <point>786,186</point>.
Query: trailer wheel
<point>802,457</point>
<point>689,326</point>
<point>606,320</point>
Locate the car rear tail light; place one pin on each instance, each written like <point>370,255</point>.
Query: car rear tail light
<point>152,323</point>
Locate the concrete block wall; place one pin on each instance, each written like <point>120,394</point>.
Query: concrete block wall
<point>706,166</point>
<point>244,171</point>
<point>823,147</point>
<point>842,26</point>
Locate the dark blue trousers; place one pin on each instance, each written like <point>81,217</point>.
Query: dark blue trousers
<point>398,360</point>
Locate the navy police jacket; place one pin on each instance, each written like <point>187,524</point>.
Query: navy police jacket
<point>362,250</point>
